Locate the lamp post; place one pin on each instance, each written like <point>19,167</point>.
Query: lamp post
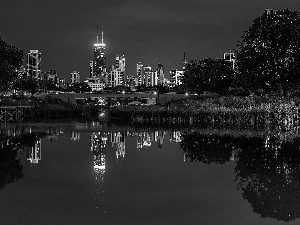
<point>157,96</point>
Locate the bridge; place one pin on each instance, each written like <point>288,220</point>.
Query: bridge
<point>160,98</point>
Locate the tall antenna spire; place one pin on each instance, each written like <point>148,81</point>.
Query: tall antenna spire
<point>97,33</point>
<point>102,34</point>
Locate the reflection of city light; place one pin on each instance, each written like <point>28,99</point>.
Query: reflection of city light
<point>102,114</point>
<point>147,143</point>
<point>100,167</point>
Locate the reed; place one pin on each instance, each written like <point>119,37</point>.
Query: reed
<point>224,112</point>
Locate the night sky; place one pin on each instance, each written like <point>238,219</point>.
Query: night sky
<point>151,32</point>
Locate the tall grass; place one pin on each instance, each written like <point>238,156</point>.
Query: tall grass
<point>216,113</point>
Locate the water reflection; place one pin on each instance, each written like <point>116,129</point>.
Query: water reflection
<point>12,145</point>
<point>267,164</point>
<point>267,168</point>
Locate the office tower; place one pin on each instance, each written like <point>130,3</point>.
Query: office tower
<point>52,75</point>
<point>230,57</point>
<point>120,66</point>
<point>147,73</point>
<point>160,74</point>
<point>115,77</point>
<point>139,73</point>
<point>34,63</point>
<point>99,66</point>
<point>153,81</point>
<point>185,62</point>
<point>75,77</point>
<point>176,77</point>
<point>61,82</point>
<point>91,69</point>
<point>271,11</point>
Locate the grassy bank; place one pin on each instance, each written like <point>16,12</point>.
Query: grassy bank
<point>218,112</point>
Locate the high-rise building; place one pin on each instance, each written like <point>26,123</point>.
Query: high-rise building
<point>34,63</point>
<point>139,73</point>
<point>116,74</point>
<point>75,77</point>
<point>160,74</point>
<point>230,57</point>
<point>52,76</point>
<point>91,69</point>
<point>99,62</point>
<point>185,62</point>
<point>120,66</point>
<point>271,11</point>
<point>176,77</point>
<point>147,73</point>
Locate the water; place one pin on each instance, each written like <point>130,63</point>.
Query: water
<point>96,174</point>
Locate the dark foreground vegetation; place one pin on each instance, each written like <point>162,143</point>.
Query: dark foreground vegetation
<point>217,112</point>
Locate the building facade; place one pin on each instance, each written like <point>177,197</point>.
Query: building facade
<point>176,77</point>
<point>34,63</point>
<point>99,62</point>
<point>75,77</point>
<point>160,74</point>
<point>230,57</point>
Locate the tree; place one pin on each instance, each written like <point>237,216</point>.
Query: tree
<point>269,53</point>
<point>215,75</point>
<point>26,83</point>
<point>11,60</point>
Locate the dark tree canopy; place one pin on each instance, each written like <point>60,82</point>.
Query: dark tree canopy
<point>269,53</point>
<point>268,173</point>
<point>215,75</point>
<point>11,60</point>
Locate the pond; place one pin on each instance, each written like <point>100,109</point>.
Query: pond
<point>93,173</point>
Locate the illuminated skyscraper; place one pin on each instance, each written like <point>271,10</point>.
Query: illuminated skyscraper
<point>120,65</point>
<point>75,77</point>
<point>34,63</point>
<point>160,73</point>
<point>139,73</point>
<point>230,57</point>
<point>91,69</point>
<point>99,67</point>
<point>176,77</point>
<point>116,75</point>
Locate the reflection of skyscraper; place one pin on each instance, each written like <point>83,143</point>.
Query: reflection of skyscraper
<point>139,141</point>
<point>175,136</point>
<point>75,136</point>
<point>159,138</point>
<point>119,140</point>
<point>34,152</point>
<point>99,67</point>
<point>98,146</point>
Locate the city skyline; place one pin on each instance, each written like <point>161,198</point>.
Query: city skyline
<point>142,31</point>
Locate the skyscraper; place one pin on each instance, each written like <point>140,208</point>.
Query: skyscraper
<point>75,77</point>
<point>34,63</point>
<point>160,74</point>
<point>99,67</point>
<point>120,66</point>
<point>185,62</point>
<point>91,69</point>
<point>139,73</point>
